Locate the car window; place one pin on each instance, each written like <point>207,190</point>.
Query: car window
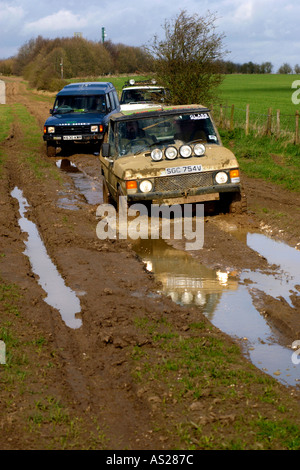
<point>108,103</point>
<point>162,131</point>
<point>111,139</point>
<point>116,98</point>
<point>112,100</point>
<point>142,95</point>
<point>79,104</point>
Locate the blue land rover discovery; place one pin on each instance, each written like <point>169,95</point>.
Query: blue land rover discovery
<point>80,115</point>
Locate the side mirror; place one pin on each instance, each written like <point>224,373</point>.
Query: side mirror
<point>105,150</point>
<point>51,111</point>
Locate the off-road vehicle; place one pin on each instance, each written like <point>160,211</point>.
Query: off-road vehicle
<point>80,115</point>
<point>142,94</point>
<point>170,155</point>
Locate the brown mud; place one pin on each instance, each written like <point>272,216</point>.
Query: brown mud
<point>92,367</point>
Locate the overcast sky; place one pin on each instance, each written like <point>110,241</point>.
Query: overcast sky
<point>255,30</point>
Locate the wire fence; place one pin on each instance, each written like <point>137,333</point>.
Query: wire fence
<point>271,123</point>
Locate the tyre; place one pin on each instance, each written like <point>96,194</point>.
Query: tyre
<point>51,150</point>
<point>238,203</point>
<point>96,146</point>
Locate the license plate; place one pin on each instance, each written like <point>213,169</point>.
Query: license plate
<point>72,137</point>
<point>181,170</point>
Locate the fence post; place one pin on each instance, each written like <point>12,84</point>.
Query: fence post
<point>231,118</point>
<point>278,124</point>
<point>269,122</point>
<point>297,128</point>
<point>247,119</point>
<point>221,115</point>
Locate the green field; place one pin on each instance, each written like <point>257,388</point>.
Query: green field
<point>261,92</point>
<point>256,151</point>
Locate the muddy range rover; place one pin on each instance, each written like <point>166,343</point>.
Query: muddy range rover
<point>171,155</point>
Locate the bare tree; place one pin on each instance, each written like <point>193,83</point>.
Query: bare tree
<point>187,59</point>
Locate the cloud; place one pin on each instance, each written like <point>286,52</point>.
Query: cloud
<point>63,20</point>
<point>257,30</point>
<point>244,12</point>
<point>10,16</point>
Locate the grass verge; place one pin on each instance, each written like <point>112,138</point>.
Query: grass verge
<point>45,419</point>
<point>265,157</point>
<point>213,398</point>
<point>33,144</point>
<point>6,120</point>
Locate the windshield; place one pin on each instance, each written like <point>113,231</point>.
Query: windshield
<point>79,104</point>
<point>146,95</point>
<point>139,135</point>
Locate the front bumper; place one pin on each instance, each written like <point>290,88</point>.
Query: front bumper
<point>184,197</point>
<point>58,139</point>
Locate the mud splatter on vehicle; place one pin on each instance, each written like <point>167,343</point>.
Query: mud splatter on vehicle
<point>170,155</point>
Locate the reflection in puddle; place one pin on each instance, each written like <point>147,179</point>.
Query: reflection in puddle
<point>286,257</point>
<point>91,189</point>
<point>183,279</point>
<point>226,302</point>
<point>59,295</point>
<point>69,199</point>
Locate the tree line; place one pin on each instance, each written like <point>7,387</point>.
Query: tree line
<point>46,63</point>
<point>189,59</point>
<point>251,68</point>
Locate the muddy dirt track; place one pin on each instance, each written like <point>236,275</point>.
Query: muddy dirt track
<point>93,370</point>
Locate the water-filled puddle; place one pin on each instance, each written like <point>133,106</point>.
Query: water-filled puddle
<point>278,253</point>
<point>59,295</point>
<point>90,189</point>
<point>68,199</point>
<point>227,301</point>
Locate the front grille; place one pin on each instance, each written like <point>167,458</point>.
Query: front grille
<point>183,182</point>
<point>73,130</point>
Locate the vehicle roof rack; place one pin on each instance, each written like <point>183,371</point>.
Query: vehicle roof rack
<point>133,82</point>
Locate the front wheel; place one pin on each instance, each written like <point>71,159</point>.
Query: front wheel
<point>51,150</point>
<point>238,203</point>
<point>233,203</point>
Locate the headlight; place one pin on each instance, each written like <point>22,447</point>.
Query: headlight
<point>94,128</point>
<point>199,150</point>
<point>146,186</point>
<point>185,151</point>
<point>51,130</point>
<point>171,153</point>
<point>221,177</point>
<point>156,155</point>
